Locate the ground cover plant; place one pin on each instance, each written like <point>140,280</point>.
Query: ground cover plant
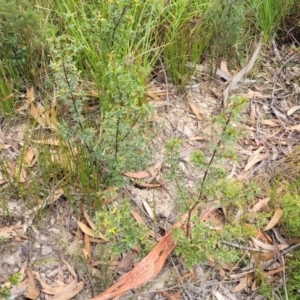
<point>74,83</point>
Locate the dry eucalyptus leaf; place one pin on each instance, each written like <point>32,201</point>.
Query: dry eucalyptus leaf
<point>137,175</point>
<point>270,122</point>
<point>272,272</point>
<point>69,291</point>
<point>218,295</point>
<point>10,231</point>
<point>223,67</point>
<point>37,114</point>
<point>32,291</point>
<point>30,158</point>
<point>292,110</point>
<point>268,247</point>
<point>259,205</point>
<point>296,127</point>
<point>246,281</point>
<point>195,110</point>
<point>90,232</point>
<point>275,219</point>
<point>148,209</point>
<point>88,219</point>
<point>255,159</point>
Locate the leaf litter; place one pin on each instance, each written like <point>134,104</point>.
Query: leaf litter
<point>273,130</point>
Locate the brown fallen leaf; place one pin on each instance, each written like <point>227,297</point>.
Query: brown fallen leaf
<point>87,247</point>
<point>150,185</point>
<point>30,157</point>
<point>95,240</point>
<point>154,96</point>
<point>197,138</point>
<point>153,171</point>
<point>275,219</point>
<point>268,247</point>
<point>88,219</point>
<point>265,256</point>
<point>296,127</point>
<point>217,94</point>
<point>127,262</point>
<point>271,123</point>
<point>218,295</point>
<point>69,291</point>
<point>272,272</point>
<point>148,209</point>
<point>246,281</point>
<point>15,171</point>
<point>37,114</point>
<point>45,287</point>
<point>292,110</point>
<point>90,232</point>
<point>140,220</point>
<point>214,219</point>
<point>253,94</point>
<point>52,198</point>
<point>32,291</point>
<point>7,97</point>
<point>259,205</point>
<point>255,158</point>
<point>195,110</point>
<point>137,175</point>
<point>60,276</point>
<point>223,67</point>
<point>10,231</point>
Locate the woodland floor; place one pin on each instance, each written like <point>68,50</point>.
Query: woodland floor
<point>51,246</point>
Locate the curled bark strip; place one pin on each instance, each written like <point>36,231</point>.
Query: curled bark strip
<point>146,269</point>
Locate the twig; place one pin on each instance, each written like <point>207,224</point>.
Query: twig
<point>166,82</point>
<point>241,247</point>
<point>284,279</point>
<point>240,75</point>
<point>179,277</point>
<point>284,252</point>
<point>206,173</point>
<point>74,105</point>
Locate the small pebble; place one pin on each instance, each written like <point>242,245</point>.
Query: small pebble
<point>46,250</point>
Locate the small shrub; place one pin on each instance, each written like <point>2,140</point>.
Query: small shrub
<point>290,224</point>
<point>122,232</point>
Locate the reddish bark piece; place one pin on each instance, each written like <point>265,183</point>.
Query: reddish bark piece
<point>145,270</point>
